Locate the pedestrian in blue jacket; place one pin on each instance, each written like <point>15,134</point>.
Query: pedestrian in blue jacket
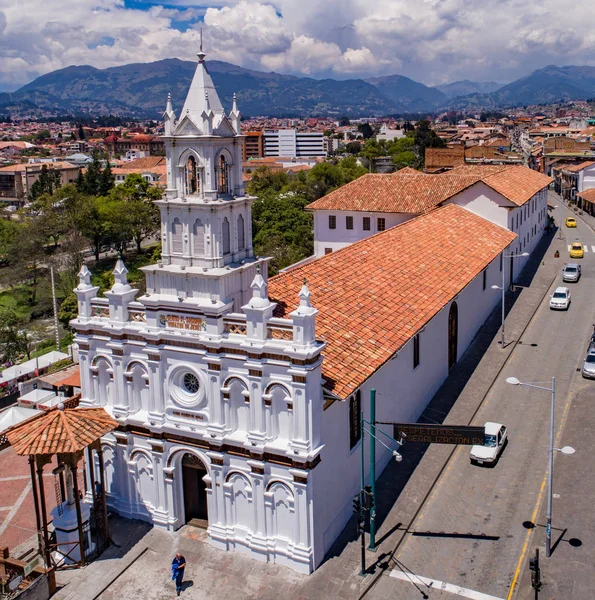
<point>177,571</point>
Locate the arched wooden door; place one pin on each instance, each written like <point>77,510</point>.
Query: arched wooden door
<point>453,329</point>
<point>195,491</point>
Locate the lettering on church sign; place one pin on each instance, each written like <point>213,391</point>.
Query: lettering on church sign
<point>185,323</point>
<point>439,434</point>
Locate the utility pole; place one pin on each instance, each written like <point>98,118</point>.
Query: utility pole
<point>361,517</point>
<point>372,545</point>
<point>55,304</point>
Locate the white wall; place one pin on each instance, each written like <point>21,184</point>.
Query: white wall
<point>586,179</point>
<point>527,221</point>
<point>482,200</point>
<point>402,393</point>
<point>338,238</point>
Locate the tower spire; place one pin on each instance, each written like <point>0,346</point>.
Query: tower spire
<point>201,55</point>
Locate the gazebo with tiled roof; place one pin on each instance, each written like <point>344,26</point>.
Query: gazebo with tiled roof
<point>65,433</point>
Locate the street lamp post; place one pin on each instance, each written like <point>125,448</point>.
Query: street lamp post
<point>550,476</point>
<point>366,499</point>
<point>503,288</point>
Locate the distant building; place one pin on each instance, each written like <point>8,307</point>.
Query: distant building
<point>331,144</point>
<point>253,145</point>
<point>142,143</point>
<point>389,135</point>
<point>151,168</point>
<point>290,142</point>
<point>16,180</point>
<point>79,159</point>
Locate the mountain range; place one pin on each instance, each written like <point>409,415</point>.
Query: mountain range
<point>141,89</point>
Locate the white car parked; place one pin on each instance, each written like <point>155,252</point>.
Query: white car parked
<point>496,437</point>
<point>560,299</point>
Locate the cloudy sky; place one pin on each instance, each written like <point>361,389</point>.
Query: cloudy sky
<point>433,41</point>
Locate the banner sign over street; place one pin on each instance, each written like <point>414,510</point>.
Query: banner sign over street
<point>439,434</point>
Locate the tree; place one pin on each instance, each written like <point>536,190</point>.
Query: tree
<point>81,132</point>
<point>48,181</point>
<point>93,177</point>
<point>425,137</point>
<point>265,179</point>
<point>353,148</point>
<point>68,310</point>
<point>13,340</point>
<point>9,231</point>
<point>130,212</point>
<point>366,130</point>
<point>80,181</point>
<point>282,229</point>
<point>106,181</point>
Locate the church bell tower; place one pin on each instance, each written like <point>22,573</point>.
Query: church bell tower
<point>206,217</point>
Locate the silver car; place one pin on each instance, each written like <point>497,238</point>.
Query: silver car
<point>589,366</point>
<point>571,273</point>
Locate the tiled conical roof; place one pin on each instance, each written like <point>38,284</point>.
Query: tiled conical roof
<point>60,430</point>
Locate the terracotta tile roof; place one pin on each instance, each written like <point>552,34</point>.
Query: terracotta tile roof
<point>516,183</point>
<point>588,195</point>
<point>56,430</point>
<point>58,376</point>
<point>35,167</point>
<point>142,164</point>
<point>579,167</point>
<point>395,193</point>
<point>374,295</point>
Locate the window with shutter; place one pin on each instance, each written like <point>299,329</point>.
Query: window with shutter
<point>355,426</point>
<point>177,244</point>
<point>225,236</point>
<point>241,234</point>
<point>199,238</point>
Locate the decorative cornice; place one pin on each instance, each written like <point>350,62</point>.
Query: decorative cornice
<point>279,459</point>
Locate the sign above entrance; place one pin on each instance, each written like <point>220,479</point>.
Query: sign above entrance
<point>186,323</point>
<point>439,434</point>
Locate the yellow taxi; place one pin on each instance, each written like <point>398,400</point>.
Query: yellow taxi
<point>570,222</point>
<point>577,250</point>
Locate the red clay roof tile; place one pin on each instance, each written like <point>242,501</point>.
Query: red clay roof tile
<point>376,294</point>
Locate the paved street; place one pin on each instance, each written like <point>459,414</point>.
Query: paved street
<point>477,514</point>
<point>447,529</point>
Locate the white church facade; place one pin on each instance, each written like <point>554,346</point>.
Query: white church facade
<point>238,398</point>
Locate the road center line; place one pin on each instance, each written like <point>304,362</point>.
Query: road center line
<point>441,585</point>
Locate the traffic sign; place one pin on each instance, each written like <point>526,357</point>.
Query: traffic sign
<point>439,434</point>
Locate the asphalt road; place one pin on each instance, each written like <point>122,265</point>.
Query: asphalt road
<point>470,533</point>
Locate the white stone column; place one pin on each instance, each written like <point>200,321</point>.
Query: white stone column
<point>217,419</point>
<point>257,432</point>
<point>258,537</point>
<point>157,387</point>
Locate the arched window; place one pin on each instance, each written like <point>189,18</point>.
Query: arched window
<point>192,177</point>
<point>176,237</point>
<point>225,236</point>
<point>223,176</point>
<point>199,238</point>
<point>241,235</point>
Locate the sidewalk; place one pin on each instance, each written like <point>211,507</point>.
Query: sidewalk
<point>143,571</point>
<point>569,574</point>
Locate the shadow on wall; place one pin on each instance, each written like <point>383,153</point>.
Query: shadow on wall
<point>395,476</point>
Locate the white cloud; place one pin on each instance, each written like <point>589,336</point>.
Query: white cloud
<point>429,40</point>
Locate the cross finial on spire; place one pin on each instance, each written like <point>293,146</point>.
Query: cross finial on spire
<point>201,55</point>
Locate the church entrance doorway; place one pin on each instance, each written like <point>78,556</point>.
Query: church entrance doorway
<point>453,328</point>
<point>195,491</point>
